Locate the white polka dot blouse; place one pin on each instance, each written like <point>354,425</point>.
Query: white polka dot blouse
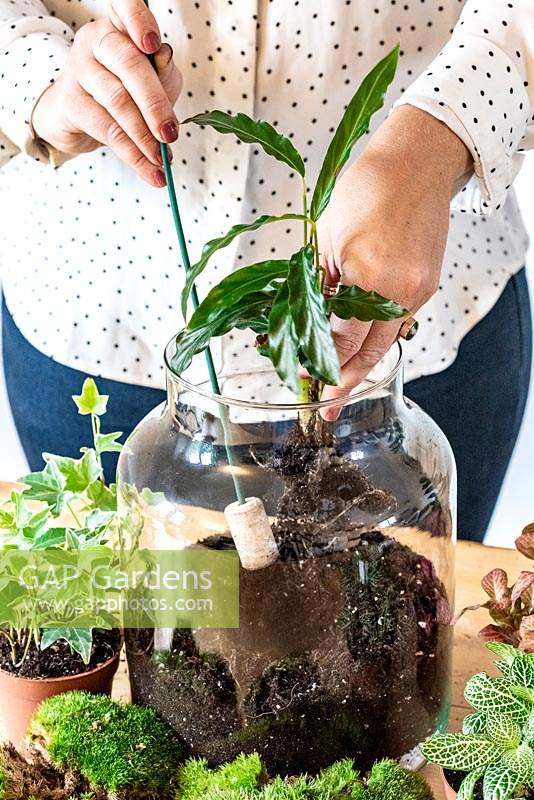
<point>90,266</point>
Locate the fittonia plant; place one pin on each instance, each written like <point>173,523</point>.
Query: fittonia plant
<point>496,746</point>
<point>282,300</point>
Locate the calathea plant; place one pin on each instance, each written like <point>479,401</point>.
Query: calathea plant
<point>76,487</point>
<point>281,300</point>
<point>511,607</point>
<point>496,746</point>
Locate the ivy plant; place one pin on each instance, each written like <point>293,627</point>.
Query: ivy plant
<point>76,488</point>
<point>281,300</point>
<point>496,746</point>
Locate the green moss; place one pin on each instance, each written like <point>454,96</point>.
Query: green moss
<point>196,781</point>
<point>113,745</point>
<point>242,779</point>
<point>388,781</point>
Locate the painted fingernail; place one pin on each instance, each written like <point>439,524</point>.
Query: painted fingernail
<point>169,131</point>
<point>151,42</point>
<point>171,154</point>
<point>159,178</point>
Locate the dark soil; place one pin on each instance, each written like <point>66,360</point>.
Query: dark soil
<point>36,778</point>
<point>343,645</point>
<point>58,661</point>
<point>321,487</point>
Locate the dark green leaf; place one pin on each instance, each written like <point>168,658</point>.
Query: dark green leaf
<point>213,245</point>
<point>283,344</point>
<point>254,132</point>
<point>351,302</point>
<point>251,310</point>
<point>78,472</point>
<point>355,122</point>
<point>232,289</point>
<point>308,311</point>
<point>90,401</point>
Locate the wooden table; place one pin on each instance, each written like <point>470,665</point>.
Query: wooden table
<point>473,561</point>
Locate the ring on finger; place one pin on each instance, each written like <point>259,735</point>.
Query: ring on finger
<point>408,329</point>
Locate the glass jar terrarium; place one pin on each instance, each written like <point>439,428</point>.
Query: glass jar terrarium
<point>343,646</point>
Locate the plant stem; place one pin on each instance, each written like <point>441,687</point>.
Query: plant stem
<point>305,210</point>
<point>26,650</point>
<point>78,523</point>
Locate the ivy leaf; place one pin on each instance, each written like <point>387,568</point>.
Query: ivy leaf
<point>53,537</point>
<point>307,307</point>
<point>232,289</point>
<point>6,519</point>
<point>47,486</point>
<point>107,442</point>
<point>468,784</point>
<point>253,131</point>
<point>36,524</point>
<point>351,302</point>
<point>98,518</point>
<point>499,783</point>
<point>102,497</point>
<point>355,123</point>
<point>251,311</point>
<point>214,245</point>
<point>77,472</point>
<point>22,514</point>
<point>90,401</point>
<point>460,752</point>
<point>283,343</point>
<point>80,640</point>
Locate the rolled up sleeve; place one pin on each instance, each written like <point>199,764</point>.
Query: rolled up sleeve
<point>34,46</point>
<point>481,86</point>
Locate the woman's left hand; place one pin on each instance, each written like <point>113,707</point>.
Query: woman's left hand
<point>386,229</point>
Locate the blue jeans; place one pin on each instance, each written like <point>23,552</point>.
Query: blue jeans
<point>478,402</point>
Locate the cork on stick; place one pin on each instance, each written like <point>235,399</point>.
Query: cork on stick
<point>252,533</point>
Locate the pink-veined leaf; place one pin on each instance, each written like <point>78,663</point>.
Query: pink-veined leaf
<point>495,584</point>
<point>492,633</point>
<point>525,542</point>
<point>524,582</point>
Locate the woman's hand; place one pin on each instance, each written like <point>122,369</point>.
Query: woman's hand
<point>386,229</point>
<point>109,94</point>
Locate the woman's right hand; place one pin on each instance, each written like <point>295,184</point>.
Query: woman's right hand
<point>109,94</point>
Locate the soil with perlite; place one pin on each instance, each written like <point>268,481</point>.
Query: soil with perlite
<point>342,649</point>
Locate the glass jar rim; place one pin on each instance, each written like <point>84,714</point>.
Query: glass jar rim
<point>222,399</point>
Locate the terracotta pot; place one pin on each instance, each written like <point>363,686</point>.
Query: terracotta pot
<point>19,697</point>
<point>450,793</point>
